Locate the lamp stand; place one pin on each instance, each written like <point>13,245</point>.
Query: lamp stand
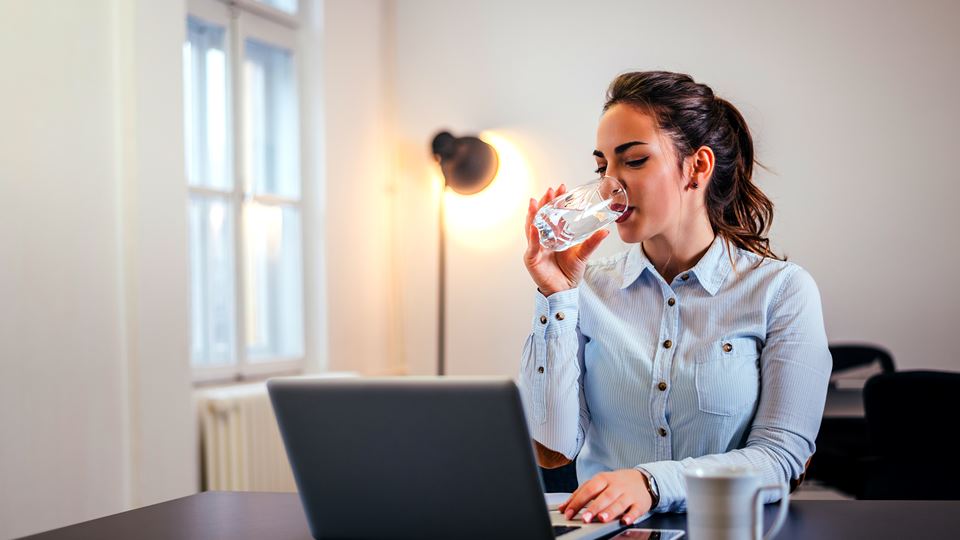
<point>442,285</point>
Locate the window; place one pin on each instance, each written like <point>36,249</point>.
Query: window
<point>242,145</point>
<point>288,6</point>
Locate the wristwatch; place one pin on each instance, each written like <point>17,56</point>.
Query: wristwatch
<point>651,487</point>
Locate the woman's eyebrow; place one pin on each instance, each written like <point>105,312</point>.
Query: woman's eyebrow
<point>620,149</point>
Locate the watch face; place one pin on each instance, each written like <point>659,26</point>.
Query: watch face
<point>652,488</point>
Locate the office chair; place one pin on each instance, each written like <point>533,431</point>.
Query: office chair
<point>911,419</point>
<point>842,443</point>
<point>847,357</point>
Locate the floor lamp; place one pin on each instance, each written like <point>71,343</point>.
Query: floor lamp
<point>468,165</point>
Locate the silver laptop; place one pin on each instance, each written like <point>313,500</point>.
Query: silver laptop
<point>416,457</point>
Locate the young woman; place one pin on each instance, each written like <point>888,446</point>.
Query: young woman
<point>697,346</point>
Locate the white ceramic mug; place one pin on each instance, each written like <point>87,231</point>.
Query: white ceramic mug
<point>726,503</point>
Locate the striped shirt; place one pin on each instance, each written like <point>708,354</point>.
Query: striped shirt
<point>726,365</point>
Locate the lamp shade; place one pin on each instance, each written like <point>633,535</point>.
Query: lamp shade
<point>468,164</point>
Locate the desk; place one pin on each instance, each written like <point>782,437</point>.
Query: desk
<point>278,516</point>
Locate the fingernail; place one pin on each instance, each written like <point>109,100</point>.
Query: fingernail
<point>568,514</point>
<point>586,517</point>
<point>603,516</point>
<point>626,520</point>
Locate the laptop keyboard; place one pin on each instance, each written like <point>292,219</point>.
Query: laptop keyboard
<point>562,529</point>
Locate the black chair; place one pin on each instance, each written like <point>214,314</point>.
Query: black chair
<point>912,419</point>
<point>846,357</point>
<point>843,443</point>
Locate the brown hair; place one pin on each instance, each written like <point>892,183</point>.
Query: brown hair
<point>692,116</point>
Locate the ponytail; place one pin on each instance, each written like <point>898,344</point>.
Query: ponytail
<point>738,210</point>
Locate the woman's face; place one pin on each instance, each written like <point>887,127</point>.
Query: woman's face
<point>631,149</point>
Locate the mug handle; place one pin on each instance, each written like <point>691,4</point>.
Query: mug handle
<point>758,511</point>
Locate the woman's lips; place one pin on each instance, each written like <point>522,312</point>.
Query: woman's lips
<point>626,215</point>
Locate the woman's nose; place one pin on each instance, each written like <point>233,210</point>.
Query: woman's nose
<point>622,186</point>
<point>617,179</point>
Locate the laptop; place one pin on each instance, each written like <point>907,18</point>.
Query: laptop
<point>416,457</point>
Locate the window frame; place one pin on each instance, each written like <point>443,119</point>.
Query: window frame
<point>244,19</point>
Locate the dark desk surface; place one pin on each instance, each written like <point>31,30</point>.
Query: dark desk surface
<point>278,516</point>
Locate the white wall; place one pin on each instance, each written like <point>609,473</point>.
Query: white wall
<point>852,104</point>
<point>154,243</point>
<point>61,314</point>
<point>95,410</point>
<point>359,219</point>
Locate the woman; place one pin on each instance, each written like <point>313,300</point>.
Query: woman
<point>697,346</point>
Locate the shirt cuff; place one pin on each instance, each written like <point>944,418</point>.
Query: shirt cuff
<point>557,312</point>
<point>668,476</point>
<point>652,487</point>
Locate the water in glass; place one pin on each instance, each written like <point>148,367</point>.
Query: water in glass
<point>571,218</point>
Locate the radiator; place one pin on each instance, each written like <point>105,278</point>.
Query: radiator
<point>241,449</point>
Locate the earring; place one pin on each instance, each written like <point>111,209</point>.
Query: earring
<point>694,185</point>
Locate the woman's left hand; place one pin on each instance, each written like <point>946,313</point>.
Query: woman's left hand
<point>609,495</point>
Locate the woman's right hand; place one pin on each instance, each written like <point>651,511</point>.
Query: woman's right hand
<point>555,271</point>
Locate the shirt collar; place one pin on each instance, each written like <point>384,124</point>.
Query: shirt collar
<point>635,264</point>
<point>710,270</point>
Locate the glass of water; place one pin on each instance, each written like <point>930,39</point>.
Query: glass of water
<point>572,217</point>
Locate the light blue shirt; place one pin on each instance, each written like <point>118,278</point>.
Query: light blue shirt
<point>727,365</point>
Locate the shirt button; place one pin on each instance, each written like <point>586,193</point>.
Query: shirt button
<point>662,432</point>
<point>667,344</point>
<point>543,319</point>
<point>662,386</point>
<point>727,347</point>
<point>559,315</point>
<point>540,369</point>
<point>671,302</point>
<point>685,276</point>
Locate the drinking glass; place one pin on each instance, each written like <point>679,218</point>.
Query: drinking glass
<point>572,217</point>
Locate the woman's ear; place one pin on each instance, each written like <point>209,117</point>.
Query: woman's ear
<point>701,168</point>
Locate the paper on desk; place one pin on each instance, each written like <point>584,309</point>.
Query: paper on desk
<point>555,499</point>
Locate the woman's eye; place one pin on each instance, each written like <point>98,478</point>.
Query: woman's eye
<point>637,162</point>
<point>601,169</point>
